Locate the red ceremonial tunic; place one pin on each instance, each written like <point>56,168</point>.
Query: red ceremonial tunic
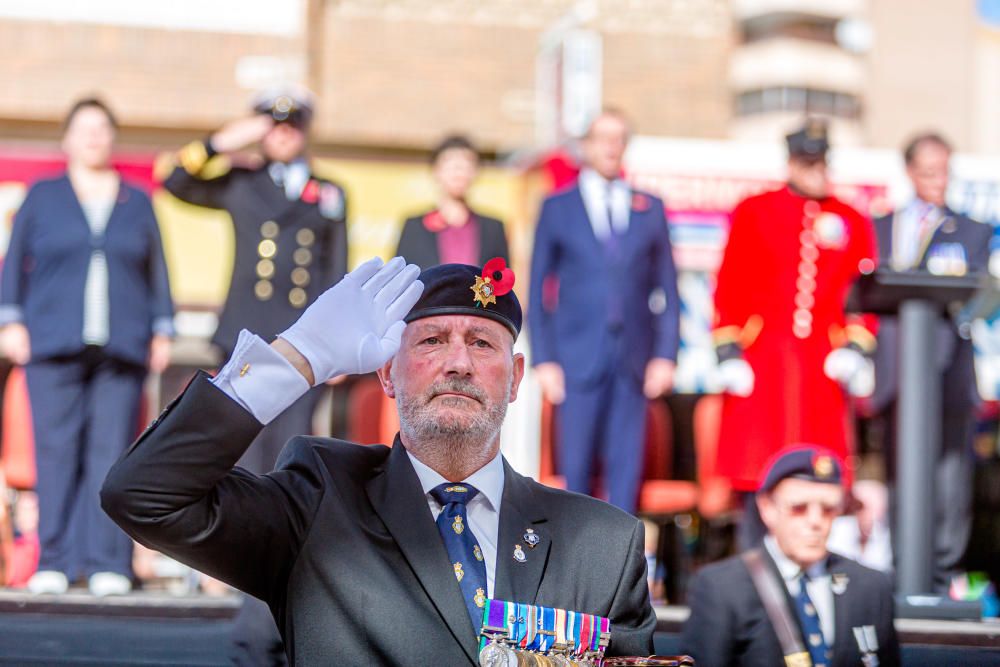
<point>785,274</point>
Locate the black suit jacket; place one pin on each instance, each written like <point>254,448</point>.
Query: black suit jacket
<point>340,542</point>
<point>729,627</point>
<point>419,245</point>
<point>954,354</point>
<point>251,198</point>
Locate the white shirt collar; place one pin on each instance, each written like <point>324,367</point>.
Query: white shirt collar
<point>488,479</point>
<point>786,567</point>
<point>592,181</point>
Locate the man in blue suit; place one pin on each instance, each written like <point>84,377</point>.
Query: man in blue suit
<point>604,315</point>
<point>926,235</point>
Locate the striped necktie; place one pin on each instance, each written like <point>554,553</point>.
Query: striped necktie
<point>463,549</point>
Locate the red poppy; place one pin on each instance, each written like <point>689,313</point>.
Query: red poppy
<point>499,275</point>
<point>434,221</point>
<point>310,193</point>
<point>640,202</point>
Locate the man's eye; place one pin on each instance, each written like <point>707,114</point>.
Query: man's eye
<point>479,342</point>
<point>433,340</point>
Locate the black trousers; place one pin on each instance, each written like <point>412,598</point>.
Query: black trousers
<point>85,411</point>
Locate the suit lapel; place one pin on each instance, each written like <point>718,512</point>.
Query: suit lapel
<point>518,580</point>
<point>398,499</point>
<point>842,631</point>
<point>583,219</point>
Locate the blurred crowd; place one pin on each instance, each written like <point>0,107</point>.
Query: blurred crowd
<point>85,308</point>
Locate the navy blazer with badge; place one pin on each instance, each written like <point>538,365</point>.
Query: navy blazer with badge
<point>954,354</point>
<point>729,626</point>
<point>341,543</point>
<point>419,245</point>
<point>48,257</point>
<point>252,199</point>
<point>576,329</point>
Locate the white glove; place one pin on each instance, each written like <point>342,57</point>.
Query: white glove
<point>355,326</point>
<point>736,377</point>
<point>852,370</point>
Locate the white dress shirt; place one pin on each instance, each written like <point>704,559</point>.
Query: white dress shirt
<point>818,587</point>
<point>264,383</point>
<point>906,236</point>
<point>595,190</point>
<point>483,510</point>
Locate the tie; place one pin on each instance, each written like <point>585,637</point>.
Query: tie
<point>818,651</point>
<point>463,550</point>
<point>611,242</point>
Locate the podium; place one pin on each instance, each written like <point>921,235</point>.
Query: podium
<point>919,299</point>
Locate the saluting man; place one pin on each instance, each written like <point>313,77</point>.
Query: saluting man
<point>291,234</point>
<point>787,351</point>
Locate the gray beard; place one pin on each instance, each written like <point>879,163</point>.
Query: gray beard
<point>452,442</point>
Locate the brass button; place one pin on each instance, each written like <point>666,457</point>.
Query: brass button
<point>300,277</point>
<point>265,268</point>
<point>297,297</point>
<point>807,237</point>
<point>305,237</point>
<point>267,248</point>
<point>302,256</point>
<point>263,289</point>
<point>802,317</point>
<point>805,284</point>
<point>269,229</point>
<point>807,269</point>
<point>809,253</point>
<point>801,331</point>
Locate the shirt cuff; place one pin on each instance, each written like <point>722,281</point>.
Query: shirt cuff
<point>10,313</point>
<point>164,326</point>
<point>260,379</point>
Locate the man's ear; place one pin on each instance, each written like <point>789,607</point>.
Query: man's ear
<point>385,378</point>
<point>518,375</point>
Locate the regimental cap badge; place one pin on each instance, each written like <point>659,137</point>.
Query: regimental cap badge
<point>823,466</point>
<point>519,554</point>
<point>495,280</point>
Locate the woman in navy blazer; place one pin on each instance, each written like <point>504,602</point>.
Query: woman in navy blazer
<point>452,232</point>
<point>85,306</point>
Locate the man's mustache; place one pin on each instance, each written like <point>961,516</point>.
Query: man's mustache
<point>457,387</point>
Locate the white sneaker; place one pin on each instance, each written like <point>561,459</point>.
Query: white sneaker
<point>102,584</point>
<point>48,582</point>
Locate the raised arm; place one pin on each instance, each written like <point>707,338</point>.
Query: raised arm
<point>175,489</point>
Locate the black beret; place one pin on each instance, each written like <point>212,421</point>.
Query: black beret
<point>461,289</point>
<point>813,464</point>
<point>810,141</point>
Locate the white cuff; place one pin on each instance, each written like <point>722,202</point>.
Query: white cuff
<point>260,379</point>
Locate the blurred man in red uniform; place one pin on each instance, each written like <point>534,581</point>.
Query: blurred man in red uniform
<point>787,351</point>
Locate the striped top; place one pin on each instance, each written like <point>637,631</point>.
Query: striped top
<point>96,300</point>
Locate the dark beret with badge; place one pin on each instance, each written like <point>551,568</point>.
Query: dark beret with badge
<point>286,105</point>
<point>813,464</point>
<point>461,289</point>
<point>810,142</point>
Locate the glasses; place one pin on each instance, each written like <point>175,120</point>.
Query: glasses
<point>827,511</point>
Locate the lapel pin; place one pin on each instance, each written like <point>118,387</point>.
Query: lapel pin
<point>949,226</point>
<point>838,583</point>
<point>531,538</point>
<point>519,554</point>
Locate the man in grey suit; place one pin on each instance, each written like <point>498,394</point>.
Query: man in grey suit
<point>926,235</point>
<point>359,555</point>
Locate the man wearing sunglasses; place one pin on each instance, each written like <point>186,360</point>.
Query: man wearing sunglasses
<point>791,601</point>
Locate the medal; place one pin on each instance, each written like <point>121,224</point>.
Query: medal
<point>531,538</point>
